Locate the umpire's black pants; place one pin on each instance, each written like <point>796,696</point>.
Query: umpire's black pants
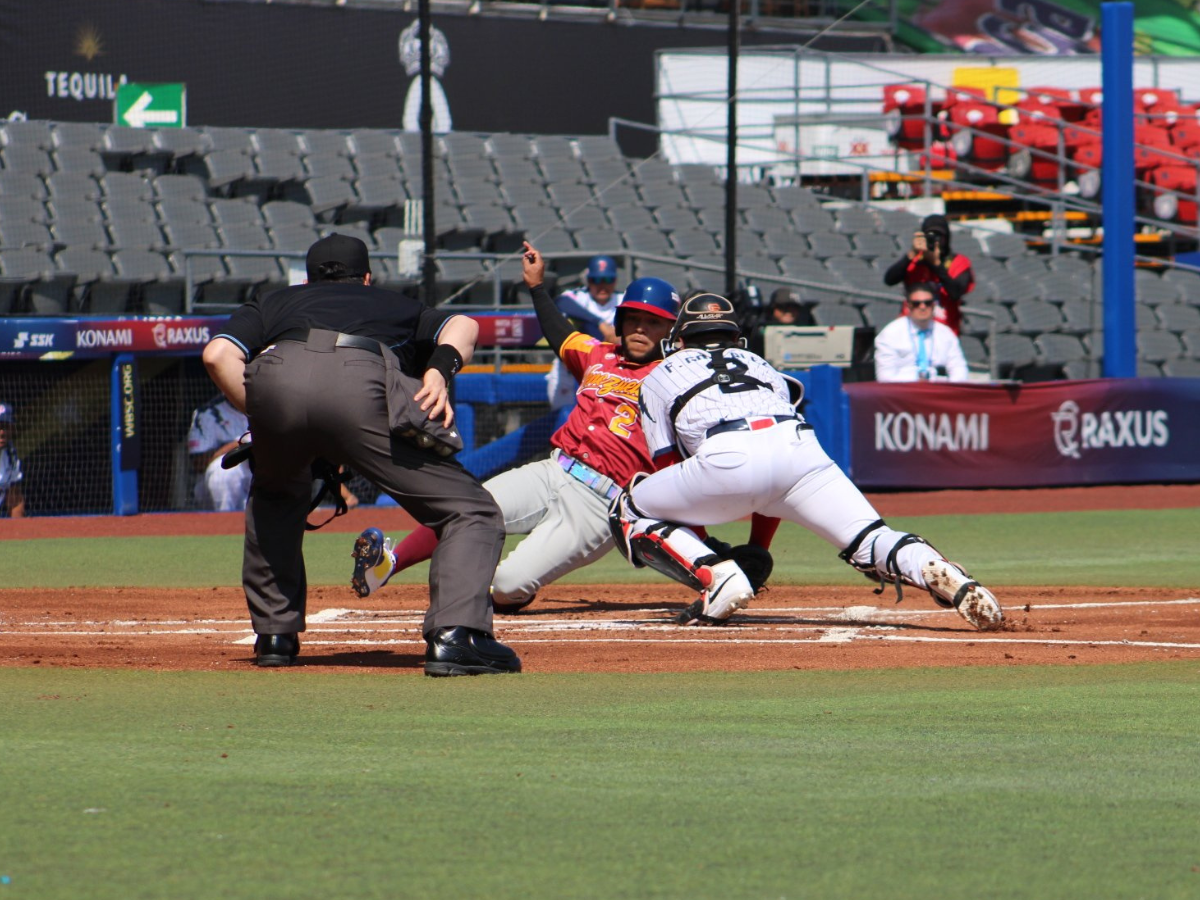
<point>310,400</point>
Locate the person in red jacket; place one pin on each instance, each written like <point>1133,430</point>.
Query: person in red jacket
<point>932,260</point>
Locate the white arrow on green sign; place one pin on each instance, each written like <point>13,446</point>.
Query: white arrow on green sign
<point>151,105</point>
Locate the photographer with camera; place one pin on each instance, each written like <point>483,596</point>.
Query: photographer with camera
<point>931,260</point>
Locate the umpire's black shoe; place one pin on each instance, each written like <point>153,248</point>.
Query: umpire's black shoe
<point>271,650</point>
<point>467,651</point>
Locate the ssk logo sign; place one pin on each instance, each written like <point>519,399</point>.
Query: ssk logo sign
<point>1076,431</point>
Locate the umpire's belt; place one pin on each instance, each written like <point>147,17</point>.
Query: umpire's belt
<point>601,484</point>
<point>755,423</point>
<point>352,341</point>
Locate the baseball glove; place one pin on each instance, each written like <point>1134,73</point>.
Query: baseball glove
<point>756,562</point>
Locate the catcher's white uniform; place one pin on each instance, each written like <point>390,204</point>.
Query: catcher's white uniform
<point>745,449</point>
<point>213,426</point>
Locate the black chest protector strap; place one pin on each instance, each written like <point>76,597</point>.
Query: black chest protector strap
<point>729,374</point>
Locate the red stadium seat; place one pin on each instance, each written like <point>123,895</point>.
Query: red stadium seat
<point>1175,193</point>
<point>904,105</point>
<point>977,135</point>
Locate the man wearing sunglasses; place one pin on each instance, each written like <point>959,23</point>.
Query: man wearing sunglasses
<point>917,347</point>
<point>593,309</point>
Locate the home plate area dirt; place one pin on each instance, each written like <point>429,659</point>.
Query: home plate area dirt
<point>621,628</point>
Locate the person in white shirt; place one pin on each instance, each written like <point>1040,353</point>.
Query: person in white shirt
<point>593,309</point>
<point>12,494</point>
<point>917,347</point>
<point>216,429</point>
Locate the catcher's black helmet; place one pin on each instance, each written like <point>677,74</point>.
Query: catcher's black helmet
<point>704,313</point>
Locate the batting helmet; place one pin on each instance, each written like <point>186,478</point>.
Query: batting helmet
<point>652,295</point>
<point>703,313</point>
<point>6,412</point>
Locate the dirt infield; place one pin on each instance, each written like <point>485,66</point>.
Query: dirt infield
<point>574,628</point>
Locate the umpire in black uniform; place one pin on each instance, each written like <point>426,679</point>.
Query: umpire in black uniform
<point>314,368</point>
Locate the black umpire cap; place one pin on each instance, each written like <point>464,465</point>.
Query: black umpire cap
<point>337,256</point>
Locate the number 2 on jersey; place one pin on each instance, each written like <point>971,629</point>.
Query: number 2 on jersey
<point>625,416</point>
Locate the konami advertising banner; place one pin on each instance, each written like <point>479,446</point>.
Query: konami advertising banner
<point>1105,431</point>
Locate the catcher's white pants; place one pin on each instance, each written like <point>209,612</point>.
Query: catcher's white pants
<point>779,471</point>
<point>224,490</point>
<point>565,520</point>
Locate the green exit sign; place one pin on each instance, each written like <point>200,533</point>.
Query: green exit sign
<point>151,105</point>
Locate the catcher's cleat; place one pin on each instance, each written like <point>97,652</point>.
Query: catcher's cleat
<point>274,650</point>
<point>726,590</point>
<point>373,562</point>
<point>953,588</point>
<point>509,608</point>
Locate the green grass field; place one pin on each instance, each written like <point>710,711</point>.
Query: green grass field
<point>1029,782</point>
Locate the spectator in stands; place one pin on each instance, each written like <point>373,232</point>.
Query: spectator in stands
<point>592,309</point>
<point>786,309</point>
<point>216,429</point>
<point>12,495</point>
<point>915,347</point>
<point>931,260</point>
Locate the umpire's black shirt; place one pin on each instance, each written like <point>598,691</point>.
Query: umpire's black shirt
<point>406,325</point>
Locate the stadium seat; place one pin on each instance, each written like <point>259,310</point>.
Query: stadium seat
<point>30,283</point>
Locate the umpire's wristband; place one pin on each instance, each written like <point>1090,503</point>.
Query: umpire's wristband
<point>446,359</point>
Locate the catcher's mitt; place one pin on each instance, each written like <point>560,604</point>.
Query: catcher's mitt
<point>755,561</point>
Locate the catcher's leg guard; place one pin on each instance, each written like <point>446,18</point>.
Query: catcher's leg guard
<point>953,588</point>
<point>622,515</point>
<point>874,552</point>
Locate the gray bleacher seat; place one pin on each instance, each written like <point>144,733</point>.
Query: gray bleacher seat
<point>477,192</point>
<point>852,270</point>
<point>898,222</point>
<point>1072,265</point>
<point>585,218</point>
<point>277,140</point>
<point>295,237</point>
<point>696,174</point>
<point>622,193</point>
<point>27,159</point>
<point>23,207</point>
<point>786,244</point>
<point>179,144</point>
<point>794,198</point>
<point>189,235</point>
<point>254,273</point>
<point>692,242</point>
<point>273,168</point>
<point>1059,348</point>
<point>597,146</point>
<point>605,172</point>
<point>646,240</point>
<point>81,227</point>
<point>329,166</point>
<point>556,241</point>
<point>89,135</point>
<point>127,186</point>
<point>79,160</point>
<point>1158,346</point>
<point>567,196</point>
<point>825,313</point>
<point>627,218</point>
<point>535,218</point>
<point>224,170</point>
<point>1002,246</point>
<point>653,170</point>
<point>754,196</point>
<point>149,285</point>
<point>981,324</point>
<point>379,166</point>
<point>244,236</point>
<point>826,244</point>
<point>1147,369</point>
<point>749,243</point>
<point>706,280</point>
<point>325,142</point>
<point>92,271</point>
<point>25,233</point>
<point>223,139</point>
<point>517,170</point>
<point>31,283</point>
<point>180,187</point>
<point>71,186</point>
<point>1028,265</point>
<point>328,196</point>
<point>349,230</point>
<point>374,142</point>
<point>1014,350</point>
<point>1034,317</point>
<point>1153,291</point>
<point>657,195</point>
<point>183,212</point>
<point>488,217</point>
<point>1061,287</point>
<point>235,212</point>
<point>876,246</point>
<point>605,240</point>
<point>768,219</point>
<point>854,220</point>
<point>674,274</point>
<point>282,213</point>
<point>131,233</point>
<point>879,313</point>
<point>25,185</point>
<point>1188,282</point>
<point>508,144</point>
<point>813,220</point>
<point>32,133</point>
<point>966,243</point>
<point>972,347</point>
<point>1191,343</point>
<point>1178,317</point>
<point>713,220</point>
<point>676,218</point>
<point>1184,367</point>
<point>1079,316</point>
<point>377,200</point>
<point>552,145</point>
<point>126,148</point>
<point>210,283</point>
<point>705,196</point>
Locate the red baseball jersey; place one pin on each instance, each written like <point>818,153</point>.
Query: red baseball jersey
<point>604,430</point>
<point>949,311</point>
